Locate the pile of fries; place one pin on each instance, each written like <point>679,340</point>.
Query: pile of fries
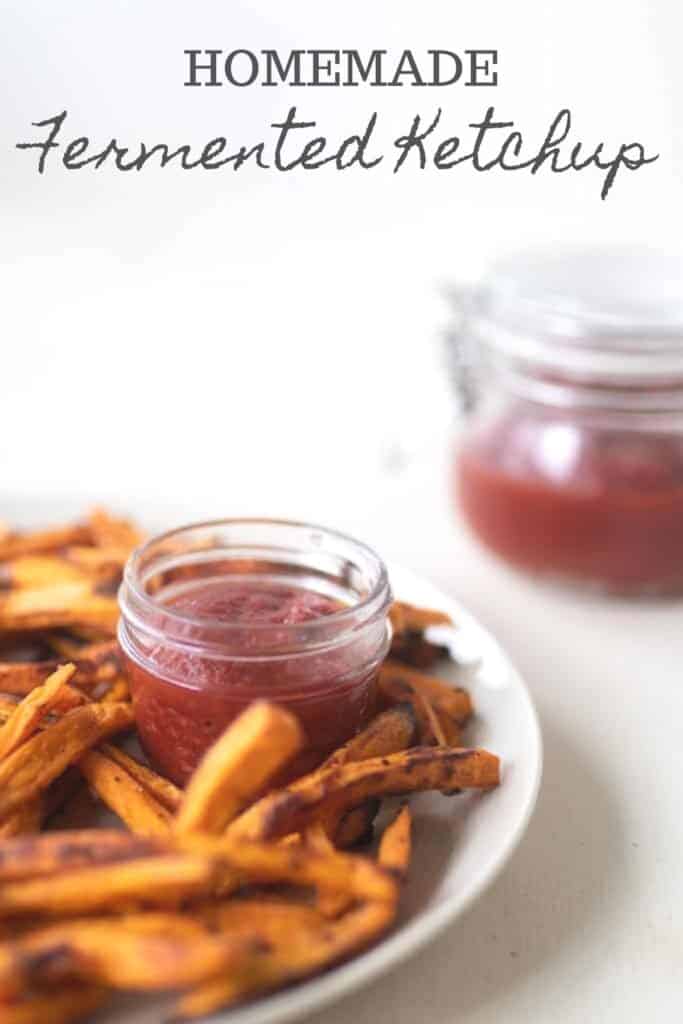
<point>217,893</point>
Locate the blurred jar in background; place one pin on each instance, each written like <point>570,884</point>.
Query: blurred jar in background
<point>570,463</point>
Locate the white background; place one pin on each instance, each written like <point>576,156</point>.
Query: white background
<point>270,344</point>
<point>274,339</point>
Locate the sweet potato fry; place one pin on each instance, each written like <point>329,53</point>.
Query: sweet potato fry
<point>274,924</point>
<point>94,663</point>
<point>337,788</point>
<point>29,571</point>
<point>316,838</point>
<point>53,694</point>
<point>302,952</point>
<point>330,904</point>
<point>356,825</point>
<point>51,853</point>
<point>409,643</point>
<point>292,863</point>
<point>408,618</point>
<point>36,763</point>
<point>100,560</point>
<point>19,544</point>
<point>25,820</point>
<point>387,733</point>
<point>65,643</point>
<point>93,658</point>
<point>93,632</point>
<point>109,531</point>
<point>238,765</point>
<point>155,881</point>
<point>165,792</point>
<point>396,844</point>
<point>135,806</point>
<point>415,650</point>
<point>397,683</point>
<point>149,952</point>
<point>7,708</point>
<point>21,677</point>
<point>117,690</point>
<point>429,726</point>
<point>450,730</point>
<point>271,917</point>
<point>63,604</point>
<point>58,1005</point>
<point>34,572</point>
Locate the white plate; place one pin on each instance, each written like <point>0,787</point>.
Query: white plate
<point>460,843</point>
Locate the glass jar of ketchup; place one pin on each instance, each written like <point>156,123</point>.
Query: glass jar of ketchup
<point>217,615</point>
<point>570,461</point>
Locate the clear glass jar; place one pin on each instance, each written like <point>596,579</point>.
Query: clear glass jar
<point>570,462</point>
<point>219,614</point>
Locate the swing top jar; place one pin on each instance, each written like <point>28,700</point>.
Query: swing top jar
<point>570,462</point>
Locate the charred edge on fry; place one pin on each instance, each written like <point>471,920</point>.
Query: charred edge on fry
<point>46,964</point>
<point>108,587</point>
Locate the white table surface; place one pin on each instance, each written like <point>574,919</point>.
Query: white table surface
<point>584,923</point>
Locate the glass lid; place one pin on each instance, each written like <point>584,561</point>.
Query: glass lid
<point>613,312</point>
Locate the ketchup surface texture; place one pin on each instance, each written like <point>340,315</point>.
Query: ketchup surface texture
<point>252,602</point>
<point>184,697</point>
<point>555,495</point>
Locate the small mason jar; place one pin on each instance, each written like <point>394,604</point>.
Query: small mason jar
<point>570,459</point>
<point>216,615</point>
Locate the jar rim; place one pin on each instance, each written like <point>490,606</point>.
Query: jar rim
<point>376,601</point>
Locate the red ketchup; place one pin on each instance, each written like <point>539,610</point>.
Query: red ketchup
<point>566,495</point>
<point>185,695</point>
